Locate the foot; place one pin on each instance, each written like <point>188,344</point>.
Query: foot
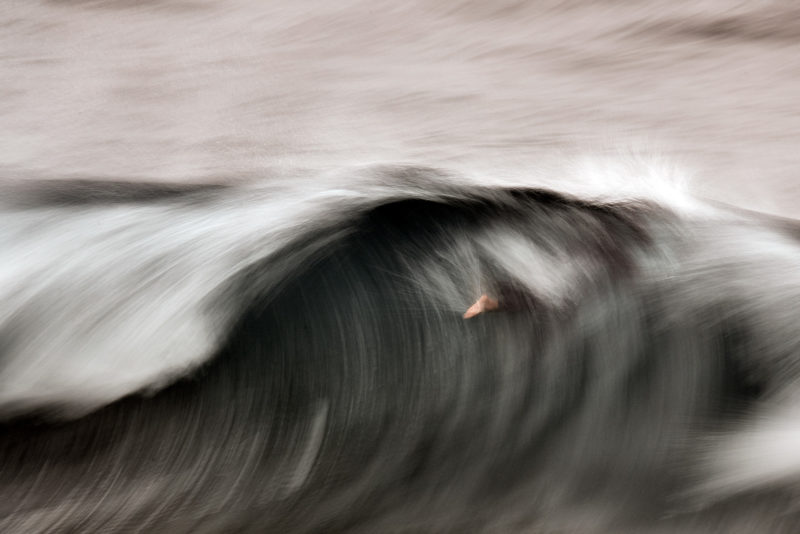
<point>485,303</point>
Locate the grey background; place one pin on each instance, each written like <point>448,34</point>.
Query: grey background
<point>199,90</point>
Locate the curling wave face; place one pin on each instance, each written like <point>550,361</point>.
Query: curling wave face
<point>294,357</point>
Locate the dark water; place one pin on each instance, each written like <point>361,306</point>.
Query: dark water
<point>268,359</point>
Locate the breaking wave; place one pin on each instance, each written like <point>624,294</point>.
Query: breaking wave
<point>295,357</point>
